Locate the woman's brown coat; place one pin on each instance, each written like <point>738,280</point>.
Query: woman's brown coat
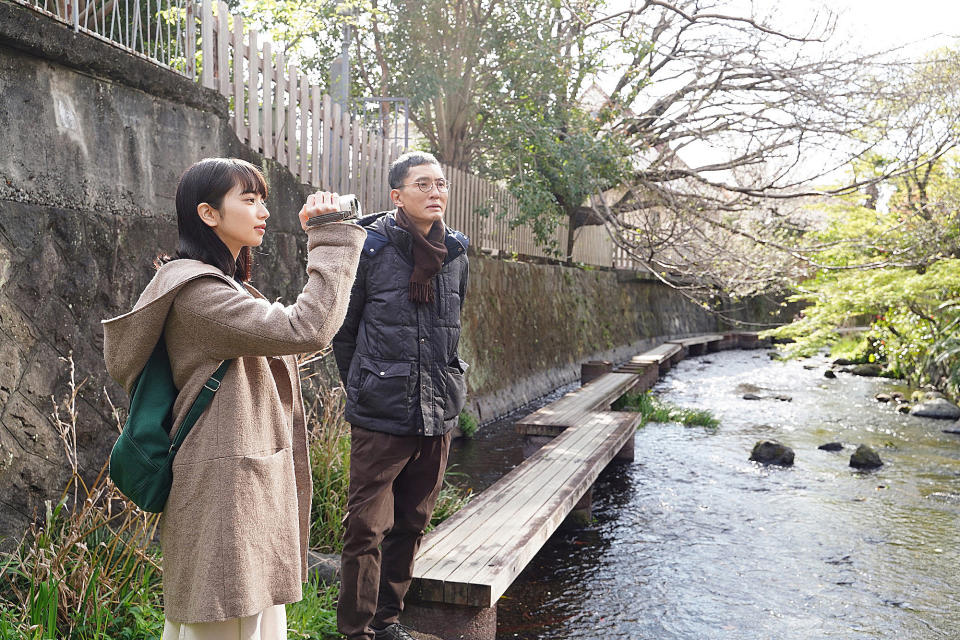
<point>234,530</point>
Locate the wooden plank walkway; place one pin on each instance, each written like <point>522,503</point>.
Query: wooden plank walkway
<point>469,561</point>
<point>479,551</point>
<point>699,345</point>
<point>577,405</point>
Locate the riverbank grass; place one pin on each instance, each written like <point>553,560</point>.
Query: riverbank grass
<point>90,568</point>
<point>653,410</point>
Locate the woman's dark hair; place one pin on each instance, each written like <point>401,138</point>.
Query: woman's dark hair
<point>209,181</point>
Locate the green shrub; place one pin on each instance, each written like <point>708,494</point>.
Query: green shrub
<point>653,410</point>
<point>468,424</point>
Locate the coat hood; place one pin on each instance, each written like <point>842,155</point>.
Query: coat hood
<point>129,339</point>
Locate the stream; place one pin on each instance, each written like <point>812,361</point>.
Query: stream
<point>692,540</point>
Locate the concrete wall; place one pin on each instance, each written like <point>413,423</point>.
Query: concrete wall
<point>92,141</point>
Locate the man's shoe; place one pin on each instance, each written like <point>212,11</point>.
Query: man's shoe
<point>395,631</point>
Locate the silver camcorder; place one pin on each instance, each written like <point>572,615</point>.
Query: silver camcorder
<point>350,209</point>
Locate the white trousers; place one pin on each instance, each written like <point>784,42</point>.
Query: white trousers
<point>269,624</point>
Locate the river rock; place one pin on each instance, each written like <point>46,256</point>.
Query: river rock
<point>904,408</point>
<point>832,446</point>
<point>939,408</point>
<point>829,374</point>
<point>324,565</point>
<point>752,396</point>
<point>771,452</point>
<point>870,370</point>
<point>883,397</point>
<point>844,362</point>
<point>865,458</point>
<point>782,397</point>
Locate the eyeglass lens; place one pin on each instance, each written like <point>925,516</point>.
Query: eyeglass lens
<point>426,186</point>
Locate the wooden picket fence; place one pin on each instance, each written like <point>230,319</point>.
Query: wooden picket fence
<point>276,110</point>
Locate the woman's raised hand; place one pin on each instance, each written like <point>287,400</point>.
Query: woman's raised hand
<point>318,203</point>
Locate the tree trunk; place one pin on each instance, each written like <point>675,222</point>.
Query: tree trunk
<point>570,237</point>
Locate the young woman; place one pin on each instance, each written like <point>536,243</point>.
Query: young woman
<point>234,529</point>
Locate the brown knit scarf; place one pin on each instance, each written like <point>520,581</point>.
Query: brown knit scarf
<point>429,252</point>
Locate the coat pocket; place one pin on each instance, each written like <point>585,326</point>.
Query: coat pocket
<point>383,389</point>
<point>455,396</point>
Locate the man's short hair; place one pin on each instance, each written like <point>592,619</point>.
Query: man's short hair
<point>402,165</point>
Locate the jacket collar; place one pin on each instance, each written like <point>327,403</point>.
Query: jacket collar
<point>387,225</point>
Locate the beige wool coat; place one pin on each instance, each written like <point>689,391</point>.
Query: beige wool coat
<point>235,527</point>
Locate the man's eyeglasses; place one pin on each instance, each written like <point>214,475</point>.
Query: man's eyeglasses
<point>426,186</point>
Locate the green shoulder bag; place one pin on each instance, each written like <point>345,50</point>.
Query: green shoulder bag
<point>141,462</point>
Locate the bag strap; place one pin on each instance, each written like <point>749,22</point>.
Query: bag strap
<point>200,405</point>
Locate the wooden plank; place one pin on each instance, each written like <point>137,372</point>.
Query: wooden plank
<point>336,151</point>
<point>696,340</point>
<point>282,102</point>
<point>253,91</point>
<point>292,108</point>
<point>497,571</point>
<point>207,45</point>
<point>223,48</point>
<point>327,147</point>
<point>346,139</point>
<point>269,143</point>
<point>523,479</point>
<point>190,44</point>
<point>660,354</point>
<point>364,168</point>
<point>239,103</point>
<point>385,169</point>
<point>541,493</point>
<point>436,556</point>
<point>568,410</point>
<point>315,102</point>
<point>377,179</point>
<point>303,110</point>
<point>355,167</point>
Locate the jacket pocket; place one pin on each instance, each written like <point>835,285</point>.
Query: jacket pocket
<point>456,389</point>
<point>383,389</point>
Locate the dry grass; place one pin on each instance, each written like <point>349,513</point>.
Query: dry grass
<point>88,569</point>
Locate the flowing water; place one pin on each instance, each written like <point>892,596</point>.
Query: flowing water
<point>693,541</point>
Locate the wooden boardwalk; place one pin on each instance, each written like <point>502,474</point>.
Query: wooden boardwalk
<point>478,552</point>
<point>469,561</point>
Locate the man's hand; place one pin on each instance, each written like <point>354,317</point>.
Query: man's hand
<point>318,203</point>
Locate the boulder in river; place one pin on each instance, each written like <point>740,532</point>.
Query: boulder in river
<point>843,362</point>
<point>871,370</point>
<point>752,396</point>
<point>772,452</point>
<point>829,374</point>
<point>904,408</point>
<point>883,397</point>
<point>865,458</point>
<point>939,408</point>
<point>832,446</point>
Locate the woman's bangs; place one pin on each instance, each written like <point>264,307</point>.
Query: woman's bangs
<point>249,178</point>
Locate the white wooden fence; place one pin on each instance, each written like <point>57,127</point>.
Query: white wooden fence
<point>282,115</point>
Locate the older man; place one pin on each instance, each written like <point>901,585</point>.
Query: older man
<point>397,356</point>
